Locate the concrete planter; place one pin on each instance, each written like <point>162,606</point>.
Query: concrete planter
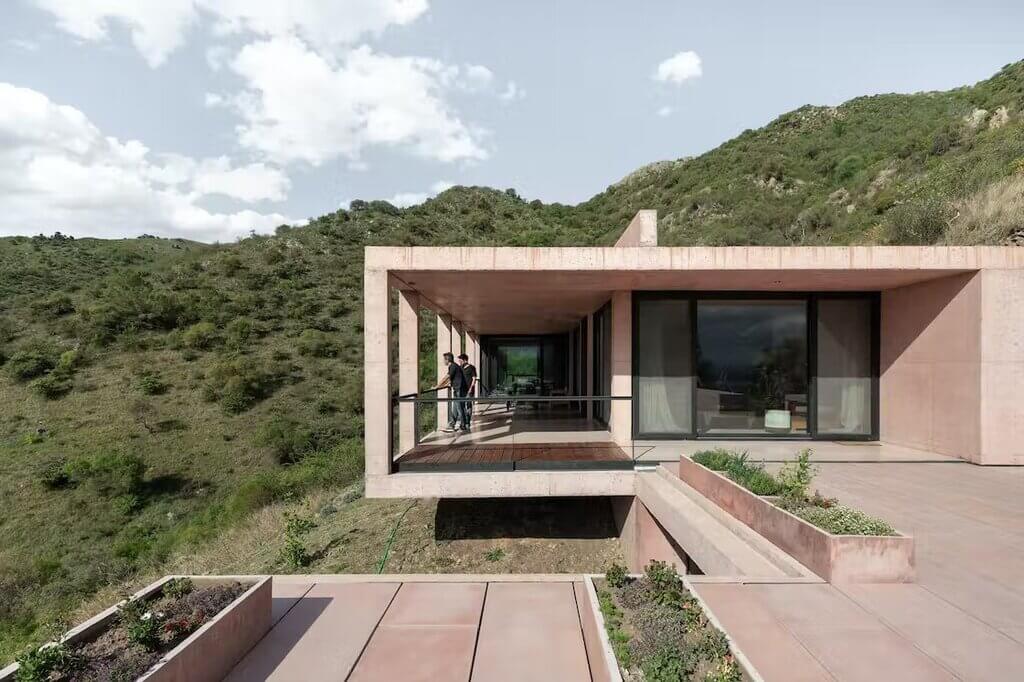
<point>835,558</point>
<point>209,653</point>
<point>610,672</point>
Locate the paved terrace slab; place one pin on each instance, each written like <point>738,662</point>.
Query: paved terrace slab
<point>961,620</point>
<point>428,628</point>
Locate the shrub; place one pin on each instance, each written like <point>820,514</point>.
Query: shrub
<point>287,439</point>
<point>52,386</point>
<point>665,666</point>
<point>200,336</point>
<point>616,575</point>
<point>316,343</point>
<point>70,360</point>
<point>735,466</point>
<point>31,363</point>
<point>494,555</point>
<point>239,331</point>
<point>796,476</point>
<point>989,216</point>
<point>294,553</point>
<point>53,306</point>
<point>916,222</point>
<point>111,474</point>
<point>239,384</point>
<point>53,473</point>
<point>151,383</point>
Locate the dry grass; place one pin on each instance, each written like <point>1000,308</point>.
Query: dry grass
<point>989,216</point>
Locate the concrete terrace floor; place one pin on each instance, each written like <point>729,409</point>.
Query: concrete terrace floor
<point>963,619</point>
<point>425,628</point>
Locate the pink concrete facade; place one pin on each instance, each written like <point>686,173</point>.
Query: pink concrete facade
<point>951,354</point>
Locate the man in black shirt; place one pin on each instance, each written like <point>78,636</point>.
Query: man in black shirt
<point>469,373</point>
<point>456,381</point>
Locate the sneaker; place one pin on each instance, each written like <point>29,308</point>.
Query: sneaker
<point>448,430</point>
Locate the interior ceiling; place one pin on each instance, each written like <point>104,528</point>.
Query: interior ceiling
<point>489,302</point>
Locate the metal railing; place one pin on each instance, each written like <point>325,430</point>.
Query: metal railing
<point>507,433</point>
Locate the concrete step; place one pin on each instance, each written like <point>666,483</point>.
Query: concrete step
<point>718,543</point>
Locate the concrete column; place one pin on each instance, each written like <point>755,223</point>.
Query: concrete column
<point>377,372</point>
<point>458,329</point>
<point>408,365</point>
<point>444,345</point>
<point>588,349</point>
<point>473,351</point>
<point>621,422</point>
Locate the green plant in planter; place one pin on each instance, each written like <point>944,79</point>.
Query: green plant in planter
<point>176,588</point>
<point>668,665</point>
<point>796,476</point>
<point>40,665</point>
<point>141,625</point>
<point>616,575</point>
<point>666,585</point>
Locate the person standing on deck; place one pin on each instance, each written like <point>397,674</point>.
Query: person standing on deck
<point>456,381</point>
<point>469,372</point>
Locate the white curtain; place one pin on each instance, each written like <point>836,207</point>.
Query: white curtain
<point>844,366</point>
<point>665,378</point>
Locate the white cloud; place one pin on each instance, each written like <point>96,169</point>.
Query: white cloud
<point>158,27</point>
<point>59,172</point>
<point>406,199</point>
<point>665,111</point>
<point>512,92</point>
<point>24,44</point>
<point>298,106</point>
<point>680,67</point>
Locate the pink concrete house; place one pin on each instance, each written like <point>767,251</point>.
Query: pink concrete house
<point>920,349</point>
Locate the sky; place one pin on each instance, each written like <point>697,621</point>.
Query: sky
<point>210,119</point>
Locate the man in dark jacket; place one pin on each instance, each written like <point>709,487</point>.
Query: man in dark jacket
<point>469,373</point>
<point>456,381</point>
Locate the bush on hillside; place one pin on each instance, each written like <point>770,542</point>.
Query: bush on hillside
<point>921,221</point>
<point>290,441</point>
<point>53,307</point>
<point>989,216</point>
<point>130,302</point>
<point>239,331</point>
<point>52,386</point>
<point>201,336</point>
<point>31,362</point>
<point>316,343</point>
<point>110,474</point>
<point>151,383</point>
<point>239,384</point>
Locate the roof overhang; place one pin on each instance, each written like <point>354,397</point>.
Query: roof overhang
<point>508,290</point>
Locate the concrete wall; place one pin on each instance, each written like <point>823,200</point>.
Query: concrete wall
<point>930,374</point>
<point>641,231</point>
<point>642,538</point>
<point>1002,367</point>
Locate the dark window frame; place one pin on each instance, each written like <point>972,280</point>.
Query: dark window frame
<point>811,299</point>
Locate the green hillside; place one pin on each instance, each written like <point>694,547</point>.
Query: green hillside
<point>155,393</point>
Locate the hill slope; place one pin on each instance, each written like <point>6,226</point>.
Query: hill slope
<point>154,392</point>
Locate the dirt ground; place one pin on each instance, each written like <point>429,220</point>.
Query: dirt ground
<point>570,535</point>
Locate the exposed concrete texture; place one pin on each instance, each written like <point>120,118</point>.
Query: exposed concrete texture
<point>502,484</point>
<point>653,543</point>
<point>444,345</point>
<point>522,619</point>
<point>715,548</point>
<point>1002,367</point>
<point>836,558</point>
<point>930,375</point>
<point>641,231</point>
<point>620,422</point>
<point>408,365</point>
<point>599,667</point>
<point>377,371</point>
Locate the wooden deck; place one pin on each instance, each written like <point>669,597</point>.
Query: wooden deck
<point>508,457</point>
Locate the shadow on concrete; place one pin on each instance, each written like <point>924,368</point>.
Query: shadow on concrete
<point>548,517</point>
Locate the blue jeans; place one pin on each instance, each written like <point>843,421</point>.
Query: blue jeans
<point>458,413</point>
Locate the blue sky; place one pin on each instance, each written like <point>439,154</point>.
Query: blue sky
<point>209,118</point>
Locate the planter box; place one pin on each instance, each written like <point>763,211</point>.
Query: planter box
<point>209,653</point>
<point>835,558</point>
<point>610,672</point>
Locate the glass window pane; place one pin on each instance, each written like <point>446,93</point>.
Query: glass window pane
<point>664,367</point>
<point>752,367</point>
<point>844,366</point>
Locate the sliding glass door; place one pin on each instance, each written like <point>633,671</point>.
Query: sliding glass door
<point>751,367</point>
<point>733,365</point>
